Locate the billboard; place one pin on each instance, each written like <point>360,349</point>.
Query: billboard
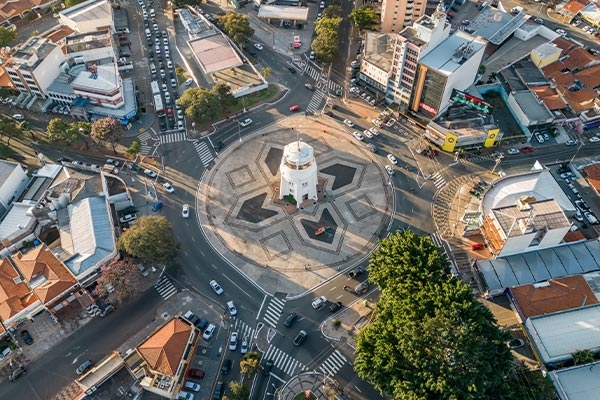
<point>471,101</point>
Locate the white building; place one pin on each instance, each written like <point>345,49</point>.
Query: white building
<point>89,16</point>
<point>101,85</point>
<point>298,172</point>
<point>13,181</point>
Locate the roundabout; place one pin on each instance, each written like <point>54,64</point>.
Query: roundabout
<point>292,247</point>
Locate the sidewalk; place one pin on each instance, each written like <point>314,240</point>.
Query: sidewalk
<point>351,320</point>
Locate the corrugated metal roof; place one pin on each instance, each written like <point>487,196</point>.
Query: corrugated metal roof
<point>92,235</point>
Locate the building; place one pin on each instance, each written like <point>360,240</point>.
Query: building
<point>453,64</point>
<point>413,43</point>
<point>580,382</point>
<point>12,11</point>
<point>89,16</point>
<point>163,358</point>
<point>13,182</point>
<point>298,173</point>
<point>555,337</point>
<point>34,66</point>
<point>398,14</point>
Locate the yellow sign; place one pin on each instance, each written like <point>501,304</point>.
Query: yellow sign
<point>449,142</point>
<point>491,137</point>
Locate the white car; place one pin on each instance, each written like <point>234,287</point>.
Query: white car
<point>561,32</point>
<point>244,348</point>
<point>209,331</point>
<point>377,122</point>
<point>233,341</point>
<point>319,302</point>
<point>168,187</point>
<point>245,122</point>
<point>150,173</point>
<point>349,123</point>
<point>258,46</point>
<point>513,151</point>
<point>392,159</point>
<point>185,211</point>
<point>180,125</point>
<point>358,136</point>
<point>374,131</point>
<point>571,142</point>
<point>216,287</point>
<point>18,117</point>
<point>389,170</point>
<point>368,133</point>
<point>231,308</point>
<point>594,139</point>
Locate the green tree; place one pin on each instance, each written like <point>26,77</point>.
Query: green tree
<point>429,338</point>
<point>223,93</point>
<point>237,27</point>
<point>135,147</point>
<point>332,11</point>
<point>363,17</point>
<point>7,36</point>
<point>57,132</point>
<point>149,238</point>
<point>529,385</point>
<point>121,275</point>
<point>250,364</point>
<point>81,130</point>
<point>107,130</point>
<point>239,391</point>
<point>200,104</point>
<point>482,69</point>
<point>71,3</point>
<point>10,129</point>
<point>25,127</point>
<point>325,43</point>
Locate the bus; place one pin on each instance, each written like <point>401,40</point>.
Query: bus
<point>158,105</point>
<point>155,87</point>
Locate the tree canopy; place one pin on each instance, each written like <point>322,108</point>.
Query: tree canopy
<point>364,17</point>
<point>429,338</point>
<point>121,275</point>
<point>7,36</point>
<point>325,44</point>
<point>107,130</point>
<point>9,128</point>
<point>237,27</point>
<point>201,104</point>
<point>149,238</point>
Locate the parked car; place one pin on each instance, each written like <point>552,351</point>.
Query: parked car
<point>244,346</point>
<point>196,373</point>
<point>295,108</point>
<point>392,159</point>
<point>361,288</point>
<point>150,173</point>
<point>84,367</point>
<point>268,367</point>
<point>389,170</point>
<point>233,341</point>
<point>335,306</point>
<point>258,46</point>
<point>193,386</point>
<point>218,393</point>
<point>245,122</point>
<point>356,272</point>
<point>26,336</point>
<point>349,123</point>
<point>216,287</point>
<point>209,332</point>
<point>594,139</point>
<point>515,343</point>
<point>16,373</point>
<point>157,206</point>
<point>358,136</point>
<point>107,310</point>
<point>528,149</point>
<point>18,117</point>
<point>226,366</point>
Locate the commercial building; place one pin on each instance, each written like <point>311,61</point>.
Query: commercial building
<point>89,16</point>
<point>398,14</point>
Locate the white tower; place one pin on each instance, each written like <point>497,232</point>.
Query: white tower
<point>298,172</point>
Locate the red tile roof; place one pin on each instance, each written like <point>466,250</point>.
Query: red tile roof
<point>15,295</point>
<point>592,175</point>
<point>561,294</point>
<point>45,273</point>
<point>163,350</point>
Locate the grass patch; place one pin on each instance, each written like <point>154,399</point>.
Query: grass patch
<point>290,199</point>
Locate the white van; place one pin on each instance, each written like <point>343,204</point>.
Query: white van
<point>188,82</point>
<point>148,33</point>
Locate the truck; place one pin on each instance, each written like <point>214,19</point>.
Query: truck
<point>158,105</point>
<point>516,10</point>
<point>155,87</point>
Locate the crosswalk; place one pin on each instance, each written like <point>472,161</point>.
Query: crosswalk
<point>316,102</point>
<point>438,180</point>
<point>206,156</point>
<point>144,138</point>
<point>475,158</point>
<point>333,363</point>
<point>283,361</point>
<point>244,331</point>
<point>274,310</point>
<point>311,71</point>
<point>173,137</point>
<point>165,287</point>
<point>334,87</point>
<point>436,239</point>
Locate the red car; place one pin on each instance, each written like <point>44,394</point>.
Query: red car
<point>196,373</point>
<point>170,112</point>
<point>527,150</point>
<point>295,108</point>
<point>478,246</point>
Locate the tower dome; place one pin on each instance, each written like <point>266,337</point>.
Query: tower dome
<point>298,172</point>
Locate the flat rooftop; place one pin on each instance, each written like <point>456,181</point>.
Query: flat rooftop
<point>453,52</point>
<point>555,337</point>
<point>88,41</point>
<point>283,12</point>
<point>581,382</point>
<point>215,53</point>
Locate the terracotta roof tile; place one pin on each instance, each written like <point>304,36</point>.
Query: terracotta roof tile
<point>45,273</point>
<point>14,297</point>
<point>592,175</point>
<point>574,7</point>
<point>164,349</point>
<point>578,58</point>
<point>549,96</point>
<point>560,294</point>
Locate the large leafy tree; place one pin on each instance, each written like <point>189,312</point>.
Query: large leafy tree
<point>325,43</point>
<point>239,391</point>
<point>107,130</point>
<point>201,104</point>
<point>364,17</point>
<point>429,338</point>
<point>121,275</point>
<point>332,11</point>
<point>10,129</point>
<point>57,132</point>
<point>249,364</point>
<point>7,36</point>
<point>237,27</point>
<point>149,238</point>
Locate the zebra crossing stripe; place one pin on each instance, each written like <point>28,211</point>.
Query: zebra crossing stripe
<point>273,312</point>
<point>204,152</point>
<point>333,363</point>
<point>145,136</point>
<point>173,137</point>
<point>165,288</point>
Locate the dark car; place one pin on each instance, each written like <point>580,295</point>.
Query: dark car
<point>196,373</point>
<point>268,367</point>
<point>226,366</point>
<point>356,272</point>
<point>157,206</point>
<point>84,367</point>
<point>361,288</point>
<point>289,321</point>
<point>16,373</point>
<point>107,310</point>
<point>219,146</point>
<point>292,70</point>
<point>335,306</point>
<point>26,337</point>
<point>300,337</point>
<point>527,150</point>
<point>218,393</point>
<point>202,324</point>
